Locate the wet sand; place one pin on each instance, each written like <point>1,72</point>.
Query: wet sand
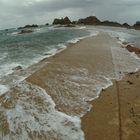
<point>116,113</point>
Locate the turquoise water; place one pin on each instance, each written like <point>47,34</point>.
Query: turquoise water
<point>27,49</point>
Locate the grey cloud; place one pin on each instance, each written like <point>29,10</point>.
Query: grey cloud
<point>17,13</point>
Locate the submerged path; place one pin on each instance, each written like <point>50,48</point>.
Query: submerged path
<point>43,106</point>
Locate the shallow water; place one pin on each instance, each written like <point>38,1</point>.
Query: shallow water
<point>26,49</point>
<point>53,109</point>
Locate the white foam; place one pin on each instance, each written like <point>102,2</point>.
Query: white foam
<point>82,27</point>
<point>55,51</point>
<point>3,56</point>
<point>6,69</point>
<point>14,33</point>
<point>34,111</point>
<point>3,89</point>
<point>93,33</point>
<point>75,40</point>
<point>124,61</point>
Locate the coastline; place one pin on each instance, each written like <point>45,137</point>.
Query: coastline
<point>69,79</point>
<point>105,100</point>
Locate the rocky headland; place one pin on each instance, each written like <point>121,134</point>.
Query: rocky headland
<point>93,20</point>
<point>137,25</point>
<point>27,29</point>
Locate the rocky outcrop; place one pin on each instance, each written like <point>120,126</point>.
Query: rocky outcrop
<point>131,48</point>
<point>24,31</point>
<point>62,21</point>
<point>92,20</point>
<point>111,23</point>
<point>137,25</point>
<point>28,26</point>
<point>18,68</point>
<point>47,24</point>
<point>126,25</point>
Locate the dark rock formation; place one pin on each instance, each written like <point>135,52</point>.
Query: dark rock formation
<point>29,26</point>
<point>137,25</point>
<point>6,30</point>
<point>18,68</point>
<point>57,21</point>
<point>62,21</point>
<point>66,21</point>
<point>110,23</point>
<point>126,25</point>
<point>92,20</point>
<point>131,48</point>
<point>74,22</point>
<point>47,24</point>
<point>24,31</point>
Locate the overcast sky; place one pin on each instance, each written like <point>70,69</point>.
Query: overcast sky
<point>15,13</point>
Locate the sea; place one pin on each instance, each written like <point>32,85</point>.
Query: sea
<point>22,119</point>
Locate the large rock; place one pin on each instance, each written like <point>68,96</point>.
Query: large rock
<point>18,68</point>
<point>29,26</point>
<point>126,25</point>
<point>25,31</point>
<point>111,23</point>
<point>62,21</point>
<point>66,21</point>
<point>57,21</point>
<point>137,25</point>
<point>131,48</point>
<point>92,20</point>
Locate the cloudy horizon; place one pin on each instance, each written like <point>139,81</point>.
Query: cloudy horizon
<point>15,13</point>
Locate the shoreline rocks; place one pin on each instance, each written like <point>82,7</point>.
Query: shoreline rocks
<point>137,25</point>
<point>18,68</point>
<point>62,21</point>
<point>131,48</point>
<point>24,31</point>
<point>91,20</point>
<point>29,26</point>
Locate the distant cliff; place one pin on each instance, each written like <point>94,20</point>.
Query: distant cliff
<point>91,20</point>
<point>137,25</point>
<point>111,23</point>
<point>62,21</point>
<point>29,26</point>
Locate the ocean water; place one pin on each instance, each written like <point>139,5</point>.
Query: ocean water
<point>27,49</point>
<point>29,111</point>
<point>125,35</point>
